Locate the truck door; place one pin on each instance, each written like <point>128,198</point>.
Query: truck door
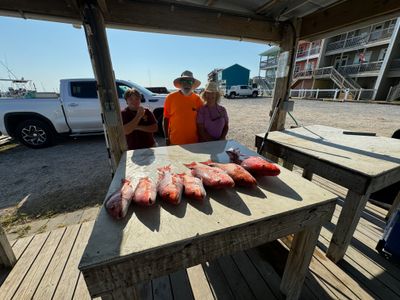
<point>244,90</point>
<point>82,107</point>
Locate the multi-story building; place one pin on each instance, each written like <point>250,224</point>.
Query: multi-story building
<point>362,63</point>
<point>268,66</point>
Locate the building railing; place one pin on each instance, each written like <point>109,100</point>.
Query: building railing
<point>334,94</point>
<point>304,73</point>
<point>360,68</point>
<point>394,93</point>
<point>361,40</point>
<point>271,62</point>
<point>308,52</point>
<point>338,78</point>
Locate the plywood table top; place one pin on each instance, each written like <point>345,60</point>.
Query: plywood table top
<point>149,228</point>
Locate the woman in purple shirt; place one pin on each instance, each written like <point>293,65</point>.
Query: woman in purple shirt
<point>212,118</point>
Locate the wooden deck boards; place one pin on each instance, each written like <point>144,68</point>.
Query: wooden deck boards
<point>47,268</point>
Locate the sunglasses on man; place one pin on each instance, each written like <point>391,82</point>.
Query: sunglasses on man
<point>188,81</point>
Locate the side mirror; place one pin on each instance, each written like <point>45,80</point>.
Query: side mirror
<point>143,99</point>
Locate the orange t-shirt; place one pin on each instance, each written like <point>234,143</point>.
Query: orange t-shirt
<point>181,111</point>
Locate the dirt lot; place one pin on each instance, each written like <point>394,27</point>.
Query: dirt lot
<point>76,173</point>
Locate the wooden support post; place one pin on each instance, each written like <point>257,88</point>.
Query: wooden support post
<point>96,39</point>
<point>284,72</point>
<point>394,207</point>
<point>307,174</point>
<point>287,165</point>
<point>7,257</point>
<point>301,252</point>
<point>346,225</point>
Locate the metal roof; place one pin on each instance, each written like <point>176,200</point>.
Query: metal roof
<point>271,51</point>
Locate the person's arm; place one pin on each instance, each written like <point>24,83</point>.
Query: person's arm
<point>224,131</point>
<point>203,134</point>
<point>132,125</point>
<point>226,126</point>
<point>151,126</point>
<point>147,128</point>
<point>165,128</point>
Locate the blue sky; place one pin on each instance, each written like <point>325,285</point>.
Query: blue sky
<point>47,52</point>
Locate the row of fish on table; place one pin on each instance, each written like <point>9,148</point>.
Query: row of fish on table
<point>241,171</point>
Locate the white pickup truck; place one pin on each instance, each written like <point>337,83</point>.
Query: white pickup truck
<point>241,91</point>
<point>36,122</point>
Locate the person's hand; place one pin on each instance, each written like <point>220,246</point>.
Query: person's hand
<point>140,112</point>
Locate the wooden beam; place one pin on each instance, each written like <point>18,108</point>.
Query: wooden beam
<point>154,16</point>
<point>339,17</point>
<point>7,257</point>
<point>187,20</point>
<point>263,8</point>
<point>284,73</point>
<point>96,38</point>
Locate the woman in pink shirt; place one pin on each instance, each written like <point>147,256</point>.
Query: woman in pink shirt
<point>212,118</point>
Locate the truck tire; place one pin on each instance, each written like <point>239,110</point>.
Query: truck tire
<point>254,95</point>
<point>35,134</point>
<point>232,95</point>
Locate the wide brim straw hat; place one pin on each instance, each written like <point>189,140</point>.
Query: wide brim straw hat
<point>187,75</point>
<point>211,87</point>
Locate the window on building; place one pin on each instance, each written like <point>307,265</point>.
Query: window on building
<point>382,54</point>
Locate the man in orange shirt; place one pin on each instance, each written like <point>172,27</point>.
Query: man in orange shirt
<point>180,111</point>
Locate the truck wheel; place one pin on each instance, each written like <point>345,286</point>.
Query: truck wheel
<point>232,95</point>
<point>254,95</point>
<point>35,134</point>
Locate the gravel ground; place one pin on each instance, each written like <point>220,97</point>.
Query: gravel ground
<point>76,173</point>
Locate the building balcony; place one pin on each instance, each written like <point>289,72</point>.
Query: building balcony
<point>269,63</point>
<point>307,53</point>
<point>360,40</point>
<point>364,69</point>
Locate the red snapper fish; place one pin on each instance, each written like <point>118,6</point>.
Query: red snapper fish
<point>145,192</point>
<point>117,204</point>
<point>169,185</point>
<point>212,177</point>
<point>194,187</point>
<point>237,172</point>
<point>254,164</point>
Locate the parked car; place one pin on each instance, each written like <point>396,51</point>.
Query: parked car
<point>242,91</point>
<point>158,89</point>
<point>36,122</point>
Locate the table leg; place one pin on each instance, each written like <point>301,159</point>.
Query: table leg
<point>307,174</point>
<point>346,225</point>
<point>271,157</point>
<point>297,264</point>
<point>288,165</point>
<point>394,207</point>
